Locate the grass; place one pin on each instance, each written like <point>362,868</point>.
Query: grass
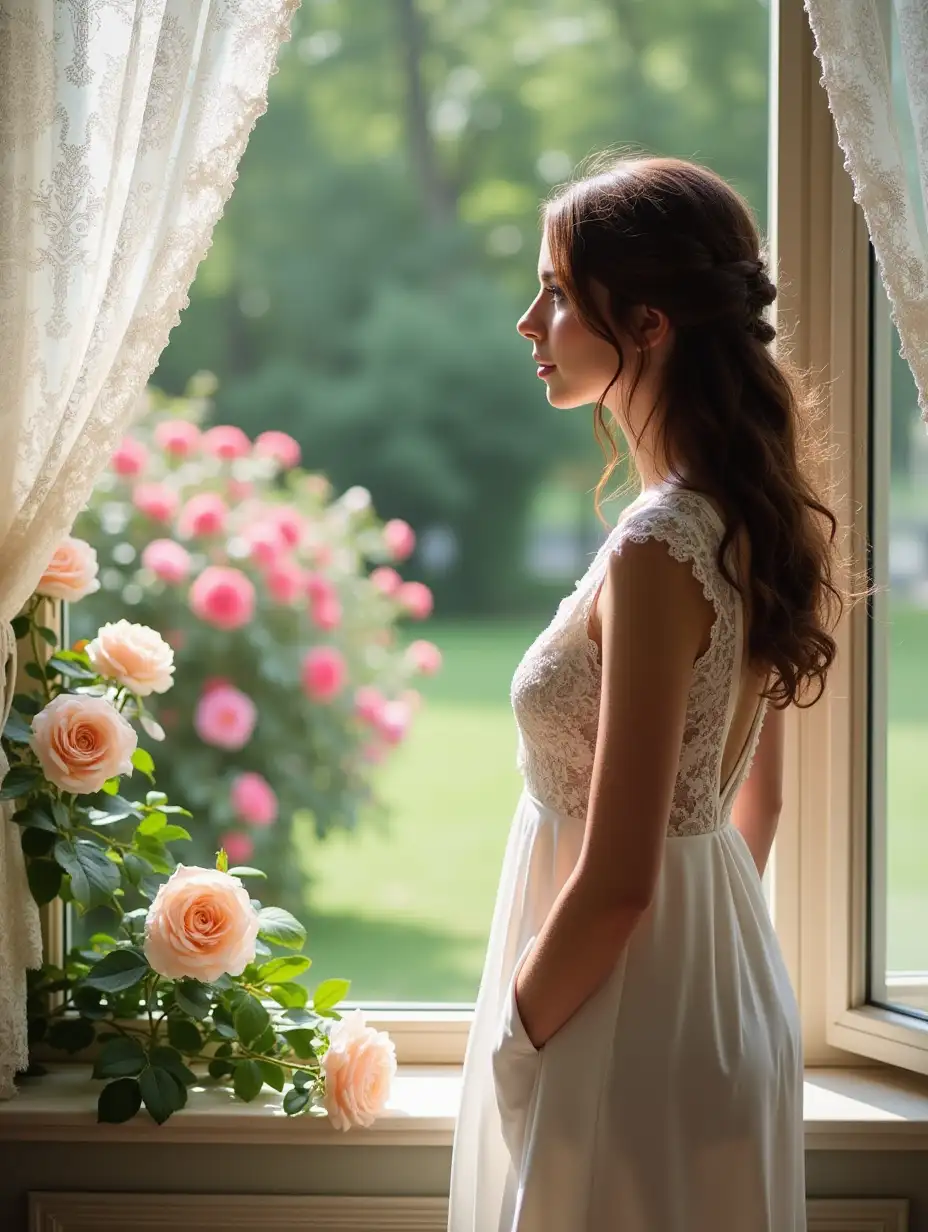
<point>405,911</point>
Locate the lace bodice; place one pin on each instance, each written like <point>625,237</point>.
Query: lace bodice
<point>556,687</point>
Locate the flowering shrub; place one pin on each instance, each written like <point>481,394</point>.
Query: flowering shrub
<point>185,970</point>
<point>282,605</point>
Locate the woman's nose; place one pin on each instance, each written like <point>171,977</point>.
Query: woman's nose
<point>527,325</point>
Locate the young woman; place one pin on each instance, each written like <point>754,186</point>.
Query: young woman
<point>635,1062</point>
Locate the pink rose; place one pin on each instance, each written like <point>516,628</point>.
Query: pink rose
<point>416,598</point>
<point>201,925</point>
<point>156,500</point>
<point>227,442</point>
<point>134,656</point>
<point>318,588</point>
<point>239,489</point>
<point>178,437</point>
<point>239,847</point>
<point>394,720</point>
<point>279,446</point>
<point>368,704</point>
<point>323,673</point>
<point>359,1066</point>
<point>82,741</point>
<point>327,615</point>
<point>223,597</point>
<point>424,656</point>
<point>399,538</point>
<point>284,581</point>
<point>265,542</point>
<point>387,580</point>
<point>167,560</point>
<point>289,523</point>
<point>225,717</point>
<point>130,457</point>
<point>203,514</point>
<point>253,799</point>
<point>71,573</point>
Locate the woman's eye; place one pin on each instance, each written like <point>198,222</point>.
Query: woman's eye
<point>556,293</point>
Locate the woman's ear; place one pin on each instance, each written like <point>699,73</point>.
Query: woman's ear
<point>654,326</point>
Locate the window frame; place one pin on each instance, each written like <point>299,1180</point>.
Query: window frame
<point>824,308</point>
<point>820,250</point>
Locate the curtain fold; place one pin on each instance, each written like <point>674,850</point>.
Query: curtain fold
<point>122,123</point>
<point>874,57</point>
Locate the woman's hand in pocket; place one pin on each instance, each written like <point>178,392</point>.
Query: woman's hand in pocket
<point>515,1061</point>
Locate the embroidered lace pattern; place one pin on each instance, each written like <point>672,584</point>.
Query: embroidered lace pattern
<point>556,687</point>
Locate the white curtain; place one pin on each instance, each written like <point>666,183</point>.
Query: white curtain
<point>874,57</point>
<point>121,126</point>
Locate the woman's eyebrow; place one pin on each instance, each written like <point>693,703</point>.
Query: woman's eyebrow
<point>546,275</point>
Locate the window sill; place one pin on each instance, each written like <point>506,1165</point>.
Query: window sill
<point>857,1109</point>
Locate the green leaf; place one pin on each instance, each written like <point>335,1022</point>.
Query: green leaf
<point>68,668</point>
<point>37,842</point>
<point>290,996</point>
<point>176,808</point>
<point>170,834</point>
<point>329,993</point>
<point>44,877</point>
<point>301,1078</point>
<point>171,1060</point>
<point>222,860</point>
<point>20,625</point>
<point>160,1092</point>
<point>272,1074</point>
<point>32,669</point>
<point>183,1034</point>
<point>113,805</point>
<point>266,1040</point>
<point>119,1101</point>
<point>154,851</point>
<point>295,1101</point>
<point>92,874</point>
<point>151,884</point>
<point>152,823</point>
<point>118,970</point>
<point>250,1019</point>
<point>136,868</point>
<point>71,1034</point>
<point>302,1041</point>
<point>243,870</point>
<point>48,635</point>
<point>19,782</point>
<point>17,728</point>
<point>154,798</point>
<point>192,998</point>
<point>218,1068</point>
<point>36,817</point>
<point>111,786</point>
<point>120,1058</point>
<point>248,1080</point>
<point>287,967</point>
<point>279,926</point>
<point>87,1001</point>
<point>143,761</point>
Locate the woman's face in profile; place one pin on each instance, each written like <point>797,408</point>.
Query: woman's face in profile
<point>575,364</point>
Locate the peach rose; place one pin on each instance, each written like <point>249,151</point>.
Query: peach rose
<point>201,925</point>
<point>82,741</point>
<point>134,656</point>
<point>71,573</point>
<point>359,1066</point>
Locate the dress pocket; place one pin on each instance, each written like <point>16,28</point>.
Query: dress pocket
<point>515,1061</point>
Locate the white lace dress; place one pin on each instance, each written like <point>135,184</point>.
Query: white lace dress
<point>672,1100</point>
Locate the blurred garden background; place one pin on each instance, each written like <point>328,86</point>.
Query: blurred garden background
<point>361,295</point>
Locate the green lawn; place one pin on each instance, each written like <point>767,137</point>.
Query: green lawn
<point>404,912</point>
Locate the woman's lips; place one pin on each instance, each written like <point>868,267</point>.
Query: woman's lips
<point>545,370</point>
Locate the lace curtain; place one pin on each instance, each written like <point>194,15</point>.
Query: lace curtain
<point>874,111</point>
<point>121,126</point>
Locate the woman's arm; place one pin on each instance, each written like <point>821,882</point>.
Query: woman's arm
<point>756,810</point>
<point>654,619</point>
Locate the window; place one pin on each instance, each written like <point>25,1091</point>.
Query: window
<point>361,294</point>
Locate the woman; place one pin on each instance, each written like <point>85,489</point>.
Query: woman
<point>635,1061</point>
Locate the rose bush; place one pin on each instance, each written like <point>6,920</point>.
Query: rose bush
<point>284,606</point>
<point>184,972</point>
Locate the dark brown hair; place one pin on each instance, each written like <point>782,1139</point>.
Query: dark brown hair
<point>675,236</point>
